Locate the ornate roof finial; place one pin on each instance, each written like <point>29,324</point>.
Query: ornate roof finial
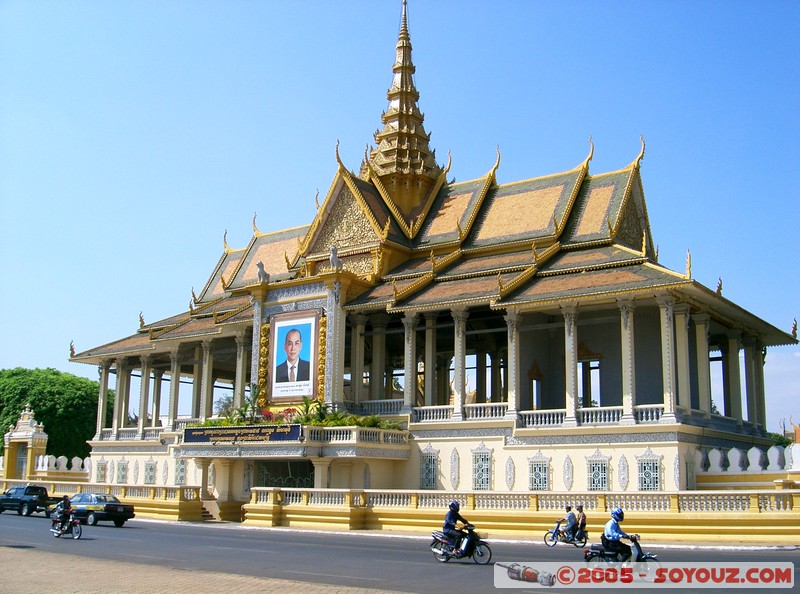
<point>689,264</point>
<point>72,344</point>
<point>316,198</point>
<point>225,242</point>
<point>794,329</point>
<point>719,286</point>
<point>402,153</point>
<point>255,229</point>
<point>141,320</point>
<point>641,153</point>
<point>194,296</point>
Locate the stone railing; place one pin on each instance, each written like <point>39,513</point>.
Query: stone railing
<point>648,413</point>
<point>485,410</point>
<point>599,502</point>
<point>431,414</point>
<point>542,418</point>
<point>380,407</point>
<point>753,461</point>
<point>354,435</point>
<point>599,415</point>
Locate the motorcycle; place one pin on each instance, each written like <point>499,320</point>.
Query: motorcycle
<point>470,545</point>
<point>645,564</point>
<point>556,535</point>
<point>72,526</point>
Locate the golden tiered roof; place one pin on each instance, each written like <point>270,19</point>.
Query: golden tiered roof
<point>410,242</point>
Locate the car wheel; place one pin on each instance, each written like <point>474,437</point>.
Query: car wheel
<point>91,519</point>
<point>119,523</point>
<point>25,510</point>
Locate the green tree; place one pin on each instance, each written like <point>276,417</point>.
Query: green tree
<point>64,403</point>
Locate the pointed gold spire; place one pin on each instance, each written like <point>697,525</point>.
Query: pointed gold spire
<point>403,159</point>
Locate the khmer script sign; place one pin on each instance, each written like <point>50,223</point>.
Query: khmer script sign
<point>247,433</point>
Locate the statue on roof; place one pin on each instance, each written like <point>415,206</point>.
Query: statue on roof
<point>336,262</point>
<point>263,275</point>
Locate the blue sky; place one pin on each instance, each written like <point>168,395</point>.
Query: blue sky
<point>134,133</point>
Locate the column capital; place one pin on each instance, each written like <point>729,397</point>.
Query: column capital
<point>701,318</point>
<point>460,314</point>
<point>358,319</point>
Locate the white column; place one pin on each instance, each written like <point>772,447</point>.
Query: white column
<point>174,387</point>
<point>409,362</point>
<point>122,386</point>
<point>144,397</point>
<point>377,368</point>
<point>751,384</point>
<point>571,365</point>
<point>207,382</point>
<point>102,398</point>
<point>626,309</point>
<point>513,385</point>
<point>701,324</point>
<point>203,464</point>
<point>761,401</point>
<point>430,359</point>
<point>459,362</point>
<point>733,380</point>
<point>321,467</point>
<point>240,379</point>
<point>334,352</point>
<point>158,376</point>
<point>197,382</point>
<point>682,356</point>
<point>667,359</point>
<point>257,297</point>
<point>359,323</point>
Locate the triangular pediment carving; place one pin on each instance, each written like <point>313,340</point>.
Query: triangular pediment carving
<point>346,226</point>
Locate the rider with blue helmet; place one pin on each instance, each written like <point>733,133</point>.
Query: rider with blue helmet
<point>612,534</point>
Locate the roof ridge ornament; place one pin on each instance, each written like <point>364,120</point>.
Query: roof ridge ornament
<point>255,229</point>
<point>225,245</point>
<point>688,264</point>
<point>641,153</point>
<point>591,153</point>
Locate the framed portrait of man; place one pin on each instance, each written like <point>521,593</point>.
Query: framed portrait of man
<point>294,340</point>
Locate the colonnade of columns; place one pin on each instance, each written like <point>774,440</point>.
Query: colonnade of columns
<point>151,382</point>
<point>685,364</point>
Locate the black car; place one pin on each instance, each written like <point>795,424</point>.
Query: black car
<point>91,508</point>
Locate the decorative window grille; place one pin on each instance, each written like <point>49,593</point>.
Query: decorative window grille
<point>149,473</point>
<point>180,472</point>
<point>598,475</point>
<point>539,479</point>
<point>481,468</point>
<point>122,472</point>
<point>427,470</point>
<point>102,467</point>
<point>597,471</point>
<point>649,465</point>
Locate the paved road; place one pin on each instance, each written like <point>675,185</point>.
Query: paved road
<point>147,556</point>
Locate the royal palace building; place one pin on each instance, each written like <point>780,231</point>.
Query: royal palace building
<point>523,336</point>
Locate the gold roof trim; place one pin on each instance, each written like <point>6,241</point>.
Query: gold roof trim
<point>539,258</point>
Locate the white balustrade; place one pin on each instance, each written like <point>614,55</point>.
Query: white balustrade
<point>487,410</point>
<point>381,407</point>
<point>509,501</point>
<point>648,413</point>
<point>600,415</point>
<point>432,414</point>
<point>542,418</point>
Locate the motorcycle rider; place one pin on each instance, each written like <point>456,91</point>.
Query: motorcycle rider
<point>572,523</point>
<point>449,527</point>
<point>581,519</point>
<point>62,510</point>
<point>612,534</point>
